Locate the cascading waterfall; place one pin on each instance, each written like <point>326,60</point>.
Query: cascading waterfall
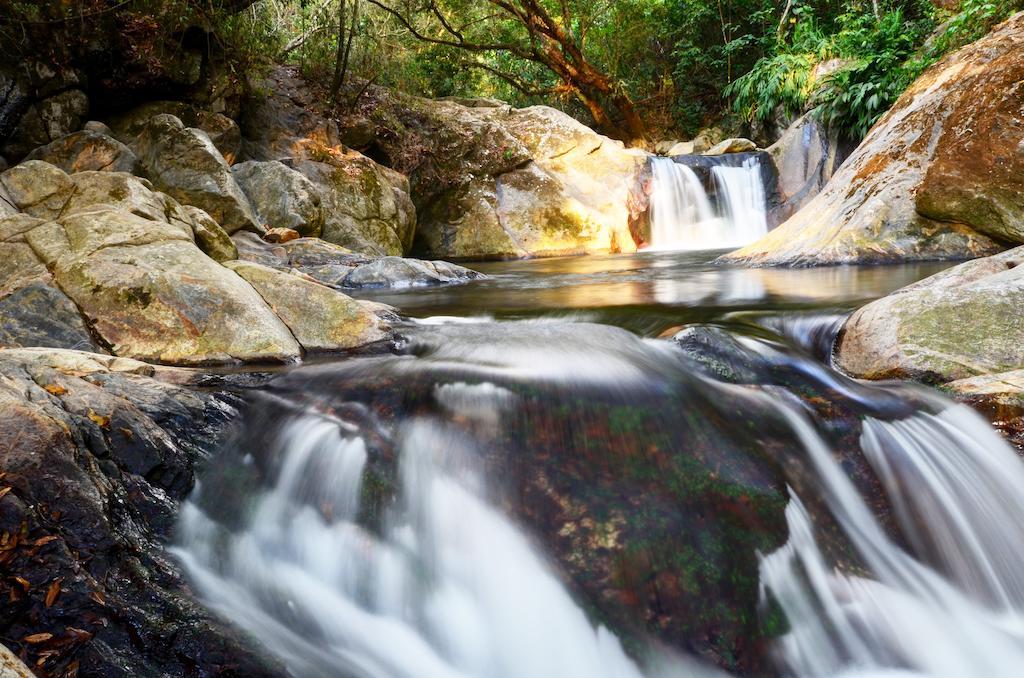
<point>949,603</point>
<point>449,588</point>
<point>742,193</point>
<point>682,216</point>
<point>439,580</point>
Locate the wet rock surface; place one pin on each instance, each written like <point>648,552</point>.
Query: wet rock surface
<point>341,268</point>
<point>95,453</point>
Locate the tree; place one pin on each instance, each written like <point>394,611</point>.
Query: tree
<point>527,30</point>
<point>348,11</point>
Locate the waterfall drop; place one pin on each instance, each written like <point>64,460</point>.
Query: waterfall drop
<point>683,216</point>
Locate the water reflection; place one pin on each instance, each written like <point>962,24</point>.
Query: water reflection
<point>663,287</point>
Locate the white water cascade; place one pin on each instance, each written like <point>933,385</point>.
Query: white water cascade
<point>449,589</point>
<point>682,216</point>
<point>950,602</point>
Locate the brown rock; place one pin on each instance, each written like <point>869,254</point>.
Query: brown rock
<point>281,235</point>
<point>85,151</point>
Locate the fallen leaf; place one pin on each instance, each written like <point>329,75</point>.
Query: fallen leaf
<point>45,540</point>
<point>98,597</point>
<point>79,634</point>
<point>52,592</point>
<point>99,419</point>
<point>55,389</point>
<point>4,491</point>
<point>37,638</point>
<point>23,582</point>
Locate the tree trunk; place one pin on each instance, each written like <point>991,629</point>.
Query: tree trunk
<point>339,56</point>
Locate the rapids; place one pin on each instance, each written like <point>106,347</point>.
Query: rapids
<point>517,491</point>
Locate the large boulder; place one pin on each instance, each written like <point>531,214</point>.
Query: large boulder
<point>36,188</point>
<point>805,158</point>
<point>222,130</point>
<point>34,311</point>
<point>283,197</point>
<point>47,120</point>
<point>183,162</point>
<point>320,318</point>
<point>365,207</point>
<point>149,293</point>
<point>938,177</point>
<point>87,150</point>
<point>963,322</point>
<point>537,183</point>
<point>96,452</point>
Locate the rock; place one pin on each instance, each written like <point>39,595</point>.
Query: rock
<point>224,133</point>
<point>213,240</point>
<point>98,127</point>
<point>563,189</point>
<point>363,209</point>
<point>963,322</point>
<point>682,148</point>
<point>806,157</point>
<point>11,666</point>
<point>37,188</point>
<point>868,213</point>
<point>280,235</point>
<point>663,147</point>
<point>85,151</point>
<point>1000,399</point>
<point>357,132</point>
<point>183,163</point>
<point>47,120</point>
<point>320,318</point>
<point>119,190</point>
<point>283,197</point>
<point>96,453</point>
<point>732,146</point>
<point>400,272</point>
<point>149,293</point>
<point>33,309</point>
<point>280,120</point>
<point>339,267</point>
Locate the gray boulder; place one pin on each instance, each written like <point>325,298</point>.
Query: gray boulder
<point>183,162</point>
<point>283,197</point>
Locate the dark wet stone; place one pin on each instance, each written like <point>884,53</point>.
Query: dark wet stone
<point>41,315</point>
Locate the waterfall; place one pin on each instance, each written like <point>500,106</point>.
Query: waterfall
<point>682,216</point>
<point>742,194</point>
<point>950,602</point>
<point>360,544</point>
<point>450,588</point>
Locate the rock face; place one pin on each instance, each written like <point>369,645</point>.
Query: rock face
<point>320,318</point>
<point>151,294</point>
<point>283,197</point>
<point>805,157</point>
<point>341,268</point>
<point>363,207</point>
<point>183,162</point>
<point>938,177</point>
<point>46,120</point>
<point>85,151</point>
<point>960,323</point>
<point>99,260</point>
<point>498,182</point>
<point>96,452</point>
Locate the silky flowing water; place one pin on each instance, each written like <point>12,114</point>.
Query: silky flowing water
<point>615,466</point>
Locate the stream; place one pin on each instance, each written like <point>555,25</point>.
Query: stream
<point>621,466</point>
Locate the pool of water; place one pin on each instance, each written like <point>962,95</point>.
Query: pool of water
<point>651,292</point>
